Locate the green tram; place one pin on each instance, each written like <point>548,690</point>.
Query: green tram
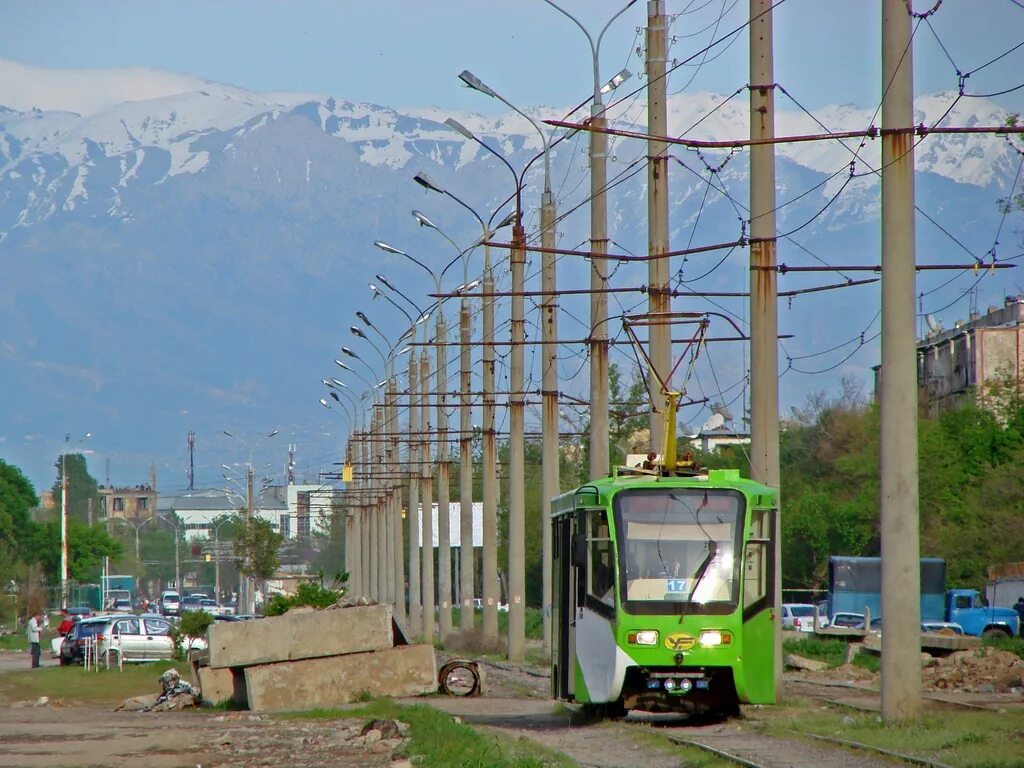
<point>662,591</point>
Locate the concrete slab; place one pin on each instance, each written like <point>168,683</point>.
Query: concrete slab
<point>224,684</point>
<point>408,670</point>
<point>300,634</point>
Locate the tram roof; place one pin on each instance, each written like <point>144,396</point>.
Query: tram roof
<point>606,487</point>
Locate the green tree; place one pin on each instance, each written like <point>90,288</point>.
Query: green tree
<point>256,546</point>
<point>83,492</point>
<point>87,546</point>
<point>17,497</point>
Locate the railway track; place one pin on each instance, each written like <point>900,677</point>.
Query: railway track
<point>757,750</point>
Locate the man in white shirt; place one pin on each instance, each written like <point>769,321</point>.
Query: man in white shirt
<point>35,626</point>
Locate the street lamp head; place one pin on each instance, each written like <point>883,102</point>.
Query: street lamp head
<point>384,280</point>
<point>423,318</point>
<point>423,220</point>
<point>349,352</point>
<point>509,219</point>
<point>227,433</point>
<point>365,320</point>
<point>341,364</point>
<point>339,382</point>
<point>425,181</point>
<point>324,403</point>
<point>476,84</point>
<point>408,334</point>
<point>388,249</point>
<point>403,350</point>
<point>616,81</point>
<point>274,433</point>
<point>355,330</point>
<point>455,125</point>
<point>335,397</point>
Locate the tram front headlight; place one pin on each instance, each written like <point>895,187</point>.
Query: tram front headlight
<point>711,638</point>
<point>643,637</point>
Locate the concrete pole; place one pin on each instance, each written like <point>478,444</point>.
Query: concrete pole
<point>901,580</point>
<point>598,301</point>
<point>366,557</point>
<point>427,481</point>
<point>415,593</point>
<point>490,465</point>
<point>444,550</point>
<point>250,606</point>
<point>764,334</point>
<point>397,551</point>
<point>387,494</point>
<point>371,511</point>
<point>380,509</point>
<point>549,406</point>
<point>352,534</point>
<point>64,530</point>
<point>466,573</point>
<point>658,301</point>
<point>216,562</point>
<point>517,460</point>
<point>356,545</point>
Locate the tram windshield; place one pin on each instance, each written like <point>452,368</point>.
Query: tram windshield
<point>678,545</point>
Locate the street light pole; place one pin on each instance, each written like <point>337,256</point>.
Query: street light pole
<point>415,602</point>
<point>64,518</point>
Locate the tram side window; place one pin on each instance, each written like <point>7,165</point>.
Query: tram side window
<point>602,568</point>
<point>755,582</point>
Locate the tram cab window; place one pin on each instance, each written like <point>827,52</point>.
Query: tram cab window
<point>601,573</point>
<point>755,581</point>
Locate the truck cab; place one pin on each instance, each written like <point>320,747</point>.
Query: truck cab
<point>966,608</point>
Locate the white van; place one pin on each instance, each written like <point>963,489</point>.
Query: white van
<point>170,603</point>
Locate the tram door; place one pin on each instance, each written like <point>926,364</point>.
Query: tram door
<point>758,614</point>
<point>566,596</point>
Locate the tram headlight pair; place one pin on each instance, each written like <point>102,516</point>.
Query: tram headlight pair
<point>710,638</point>
<point>643,637</point>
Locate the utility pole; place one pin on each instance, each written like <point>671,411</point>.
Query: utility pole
<point>354,528</point>
<point>415,593</point>
<point>900,532</point>
<point>659,301</point>
<point>444,551</point>
<point>490,465</point>
<point>249,473</point>
<point>764,333</point>
<point>191,462</point>
<point>377,510</point>
<point>427,480</point>
<point>64,524</point>
<point>517,459</point>
<point>598,299</point>
<point>549,407</point>
<point>466,576</point>
<point>396,550</point>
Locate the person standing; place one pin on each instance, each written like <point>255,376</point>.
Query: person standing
<point>35,627</point>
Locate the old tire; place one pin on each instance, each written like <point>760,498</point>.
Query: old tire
<point>994,632</point>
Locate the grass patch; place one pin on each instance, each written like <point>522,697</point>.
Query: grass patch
<point>968,739</point>
<point>437,741</point>
<point>831,651</point>
<point>76,685</point>
<point>17,642</point>
<point>872,662</point>
<point>1014,645</point>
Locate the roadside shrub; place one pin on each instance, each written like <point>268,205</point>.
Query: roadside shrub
<point>311,594</point>
<point>1014,645</point>
<point>193,624</point>
<point>832,652</point>
<point>870,661</point>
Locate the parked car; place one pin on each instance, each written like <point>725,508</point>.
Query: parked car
<point>800,617</point>
<point>139,638</point>
<point>72,650</point>
<point>848,620</point>
<point>170,602</point>
<point>191,602</point>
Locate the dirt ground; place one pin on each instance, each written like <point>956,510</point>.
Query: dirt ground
<point>38,734</point>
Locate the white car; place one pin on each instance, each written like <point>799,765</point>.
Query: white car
<point>800,617</point>
<point>139,638</point>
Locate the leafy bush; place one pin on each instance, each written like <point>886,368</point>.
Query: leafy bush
<point>193,624</point>
<point>1014,645</point>
<point>832,652</point>
<point>310,593</point>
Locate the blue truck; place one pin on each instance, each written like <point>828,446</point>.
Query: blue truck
<point>118,592</point>
<point>855,583</point>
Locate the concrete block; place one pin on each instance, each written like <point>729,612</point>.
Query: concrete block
<point>223,684</point>
<point>300,634</point>
<point>408,670</point>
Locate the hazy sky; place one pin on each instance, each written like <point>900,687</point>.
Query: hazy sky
<point>407,53</point>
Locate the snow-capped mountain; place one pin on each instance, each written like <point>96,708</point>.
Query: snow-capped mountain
<point>179,252</point>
